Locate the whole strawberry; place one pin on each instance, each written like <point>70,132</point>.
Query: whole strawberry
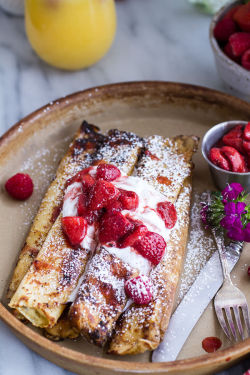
<point>20,186</point>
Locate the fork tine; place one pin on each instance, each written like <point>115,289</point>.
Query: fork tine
<point>230,322</point>
<point>238,321</point>
<point>222,322</point>
<point>246,317</point>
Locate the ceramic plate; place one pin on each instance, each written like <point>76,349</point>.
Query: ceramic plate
<point>37,143</point>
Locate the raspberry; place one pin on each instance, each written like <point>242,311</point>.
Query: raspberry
<point>137,234</point>
<point>242,17</point>
<point>129,199</point>
<point>20,186</point>
<point>246,133</point>
<point>75,228</point>
<point>102,193</point>
<point>235,159</point>
<point>151,246</point>
<point>239,42</point>
<point>113,227</point>
<point>224,29</point>
<point>218,159</point>
<point>107,172</point>
<point>139,289</point>
<point>168,213</point>
<point>245,60</point>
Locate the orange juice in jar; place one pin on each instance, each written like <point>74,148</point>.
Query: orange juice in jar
<point>70,34</point>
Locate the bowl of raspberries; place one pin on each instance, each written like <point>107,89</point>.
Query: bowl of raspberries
<point>230,41</point>
<point>226,148</point>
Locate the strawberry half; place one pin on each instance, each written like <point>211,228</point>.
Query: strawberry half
<point>217,158</point>
<point>139,289</point>
<point>151,246</point>
<point>107,172</point>
<point>75,228</point>
<point>245,60</point>
<point>113,227</point>
<point>242,17</point>
<point>102,193</point>
<point>224,29</point>
<point>236,160</point>
<point>239,42</point>
<point>137,234</point>
<point>168,213</point>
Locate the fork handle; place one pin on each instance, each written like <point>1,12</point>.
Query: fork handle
<point>219,239</point>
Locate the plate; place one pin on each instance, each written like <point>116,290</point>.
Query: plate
<point>40,140</point>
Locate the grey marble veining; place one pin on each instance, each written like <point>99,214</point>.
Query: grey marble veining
<point>155,40</point>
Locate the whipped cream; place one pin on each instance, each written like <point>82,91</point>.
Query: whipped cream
<point>71,197</point>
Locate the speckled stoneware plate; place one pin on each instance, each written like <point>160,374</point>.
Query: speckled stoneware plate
<point>36,145</point>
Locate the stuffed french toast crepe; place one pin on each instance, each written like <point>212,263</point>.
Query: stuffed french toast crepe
<point>116,248</point>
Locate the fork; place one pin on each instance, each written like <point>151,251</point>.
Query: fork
<point>229,300</point>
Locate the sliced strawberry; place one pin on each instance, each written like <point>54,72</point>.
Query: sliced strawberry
<point>82,205</point>
<point>168,213</point>
<point>87,182</point>
<point>113,227</point>
<point>128,199</point>
<point>107,172</point>
<point>78,177</point>
<point>102,193</point>
<point>235,159</point>
<point>217,158</point>
<point>239,42</point>
<point>245,60</point>
<point>234,142</point>
<point>139,289</point>
<point>242,17</point>
<point>75,228</point>
<point>224,28</point>
<point>19,186</point>
<point>246,147</point>
<point>246,133</point>
<point>137,234</point>
<point>151,246</point>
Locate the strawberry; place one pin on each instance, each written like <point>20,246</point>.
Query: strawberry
<point>223,29</point>
<point>245,59</point>
<point>102,193</point>
<point>239,42</point>
<point>114,206</point>
<point>107,172</point>
<point>234,138</point>
<point>78,177</point>
<point>113,227</point>
<point>228,51</point>
<point>139,289</point>
<point>168,213</point>
<point>242,17</point>
<point>151,246</point>
<point>137,234</point>
<point>128,199</point>
<point>75,228</point>
<point>232,12</point>
<point>246,147</point>
<point>87,182</point>
<point>246,133</point>
<point>218,159</point>
<point>235,159</point>
<point>20,186</point>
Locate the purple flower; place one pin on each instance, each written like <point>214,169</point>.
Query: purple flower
<point>233,213</point>
<point>247,233</point>
<point>203,214</point>
<point>232,191</point>
<point>237,231</point>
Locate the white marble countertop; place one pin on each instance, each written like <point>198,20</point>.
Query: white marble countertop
<point>155,40</point>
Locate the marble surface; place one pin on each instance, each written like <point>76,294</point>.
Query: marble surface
<point>155,40</point>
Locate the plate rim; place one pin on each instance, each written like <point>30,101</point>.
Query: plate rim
<point>183,90</point>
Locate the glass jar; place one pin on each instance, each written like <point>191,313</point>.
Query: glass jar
<point>70,34</point>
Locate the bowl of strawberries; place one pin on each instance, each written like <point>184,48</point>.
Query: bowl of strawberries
<point>230,41</point>
<point>226,148</point>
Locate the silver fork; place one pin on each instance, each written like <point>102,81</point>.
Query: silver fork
<point>229,300</point>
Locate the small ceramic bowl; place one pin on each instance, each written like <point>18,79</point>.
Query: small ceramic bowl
<point>220,176</point>
<point>236,78</point>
